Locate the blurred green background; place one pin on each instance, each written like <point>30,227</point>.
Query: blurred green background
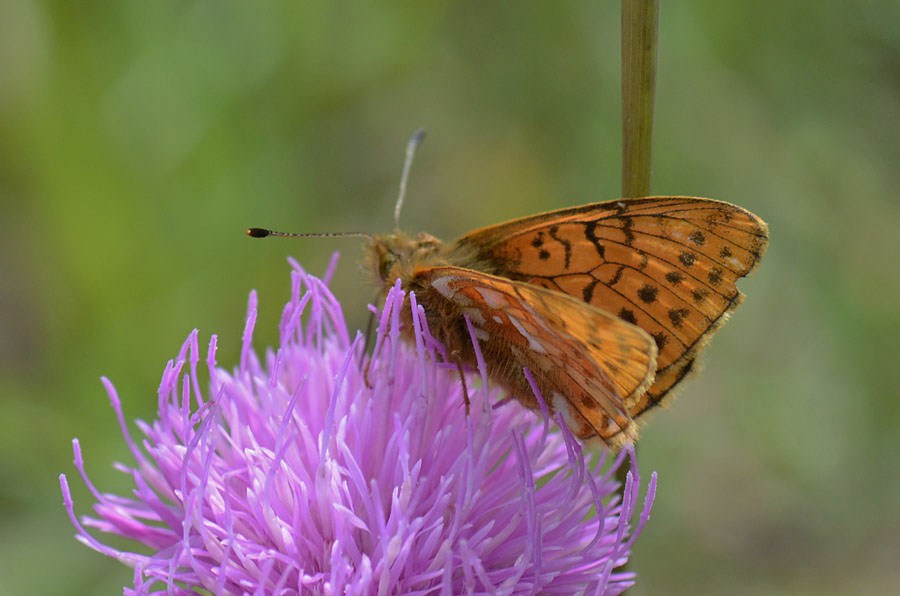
<point>139,139</point>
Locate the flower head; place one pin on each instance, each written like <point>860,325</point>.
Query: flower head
<point>305,472</point>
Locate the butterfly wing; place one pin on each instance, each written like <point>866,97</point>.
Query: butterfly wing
<point>666,264</point>
<point>588,364</point>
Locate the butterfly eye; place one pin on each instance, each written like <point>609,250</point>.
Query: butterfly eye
<point>385,263</point>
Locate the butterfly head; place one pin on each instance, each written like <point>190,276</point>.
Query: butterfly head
<point>393,256</point>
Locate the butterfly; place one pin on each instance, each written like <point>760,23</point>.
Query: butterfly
<point>607,304</point>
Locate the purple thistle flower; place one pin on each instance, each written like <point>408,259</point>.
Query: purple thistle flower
<point>293,476</point>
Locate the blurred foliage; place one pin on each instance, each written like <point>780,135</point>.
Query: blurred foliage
<point>139,139</point>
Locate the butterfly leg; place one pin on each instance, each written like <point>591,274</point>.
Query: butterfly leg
<point>462,379</point>
<point>365,369</point>
<point>366,375</point>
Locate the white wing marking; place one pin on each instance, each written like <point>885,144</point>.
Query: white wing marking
<point>533,343</point>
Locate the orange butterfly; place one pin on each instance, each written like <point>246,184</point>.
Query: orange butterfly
<point>607,304</point>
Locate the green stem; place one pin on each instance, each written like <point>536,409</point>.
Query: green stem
<point>640,30</point>
<point>640,27</point>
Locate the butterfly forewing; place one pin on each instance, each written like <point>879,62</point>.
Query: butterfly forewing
<point>666,264</point>
<point>589,364</point>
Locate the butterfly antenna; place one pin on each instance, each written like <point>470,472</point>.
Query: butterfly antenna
<point>264,233</point>
<point>414,141</point>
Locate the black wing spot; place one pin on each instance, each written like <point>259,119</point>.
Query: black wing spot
<point>628,315</point>
<point>588,292</point>
<point>627,224</point>
<point>616,277</point>
<point>647,293</point>
<point>590,232</point>
<point>567,246</point>
<point>697,237</point>
<point>725,252</point>
<point>661,340</point>
<point>687,258</point>
<point>674,277</point>
<point>538,240</point>
<point>715,276</point>
<point>677,315</point>
<point>700,294</point>
<point>543,255</point>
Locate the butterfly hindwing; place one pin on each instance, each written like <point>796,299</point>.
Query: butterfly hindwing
<point>587,362</point>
